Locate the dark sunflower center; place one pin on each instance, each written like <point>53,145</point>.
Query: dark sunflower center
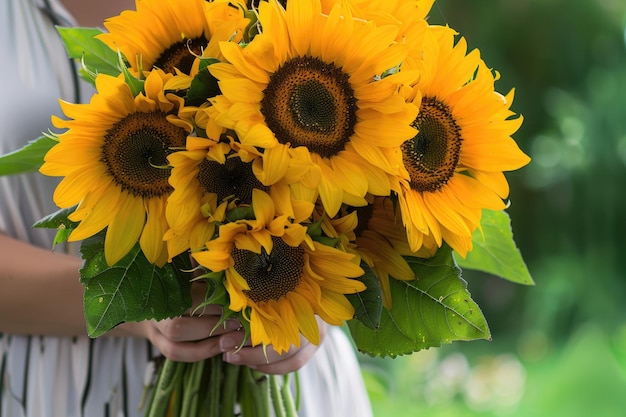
<point>135,152</point>
<point>179,55</point>
<point>310,103</point>
<point>270,276</point>
<point>234,177</point>
<point>432,156</point>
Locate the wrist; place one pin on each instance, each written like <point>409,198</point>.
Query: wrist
<point>132,329</point>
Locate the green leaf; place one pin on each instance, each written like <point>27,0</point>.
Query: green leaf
<point>253,27</point>
<point>240,213</point>
<point>433,309</point>
<point>215,290</point>
<point>28,158</point>
<point>61,236</point>
<point>325,240</point>
<point>135,84</point>
<point>203,86</point>
<point>81,44</point>
<point>131,290</point>
<point>495,251</point>
<point>60,221</point>
<point>368,304</point>
<point>315,229</point>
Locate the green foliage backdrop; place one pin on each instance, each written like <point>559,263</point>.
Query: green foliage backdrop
<point>567,63</point>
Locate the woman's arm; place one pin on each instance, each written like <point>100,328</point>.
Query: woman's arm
<point>41,292</point>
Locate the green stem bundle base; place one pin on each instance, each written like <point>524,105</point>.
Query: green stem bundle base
<point>214,388</point>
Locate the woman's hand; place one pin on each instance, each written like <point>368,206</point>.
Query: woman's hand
<point>196,336</point>
<point>268,361</point>
<point>190,338</point>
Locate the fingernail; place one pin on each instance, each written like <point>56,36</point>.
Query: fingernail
<point>227,343</point>
<point>235,359</point>
<point>232,324</point>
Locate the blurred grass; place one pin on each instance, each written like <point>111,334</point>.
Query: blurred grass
<point>586,376</point>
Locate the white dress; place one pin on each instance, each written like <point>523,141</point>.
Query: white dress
<point>43,376</point>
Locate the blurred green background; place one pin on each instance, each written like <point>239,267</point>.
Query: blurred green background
<point>558,348</point>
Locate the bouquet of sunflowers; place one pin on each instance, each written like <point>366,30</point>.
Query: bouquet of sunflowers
<point>337,159</point>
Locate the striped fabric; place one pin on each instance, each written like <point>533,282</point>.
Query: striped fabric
<point>50,376</point>
<point>78,377</point>
<point>58,377</point>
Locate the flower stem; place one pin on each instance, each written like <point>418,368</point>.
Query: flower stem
<point>193,385</point>
<point>229,396</point>
<point>169,377</point>
<point>277,399</point>
<point>285,393</point>
<point>176,398</point>
<point>254,393</point>
<point>297,389</point>
<point>204,390</point>
<point>215,384</point>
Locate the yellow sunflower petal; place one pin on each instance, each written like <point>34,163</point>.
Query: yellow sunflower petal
<point>331,193</point>
<point>124,230</point>
<point>263,207</point>
<point>214,260</point>
<point>241,89</point>
<point>234,54</point>
<point>72,189</point>
<point>305,317</point>
<point>273,166</point>
<point>335,308</point>
<point>151,240</point>
<point>350,175</point>
<point>300,24</point>
<point>97,218</point>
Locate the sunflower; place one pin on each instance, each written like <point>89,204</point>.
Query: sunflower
<point>380,240</point>
<point>288,90</point>
<point>205,180</point>
<point>169,34</point>
<point>279,278</point>
<point>456,161</point>
<point>113,160</point>
<point>409,16</point>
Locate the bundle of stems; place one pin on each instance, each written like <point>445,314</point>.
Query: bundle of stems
<point>214,388</point>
